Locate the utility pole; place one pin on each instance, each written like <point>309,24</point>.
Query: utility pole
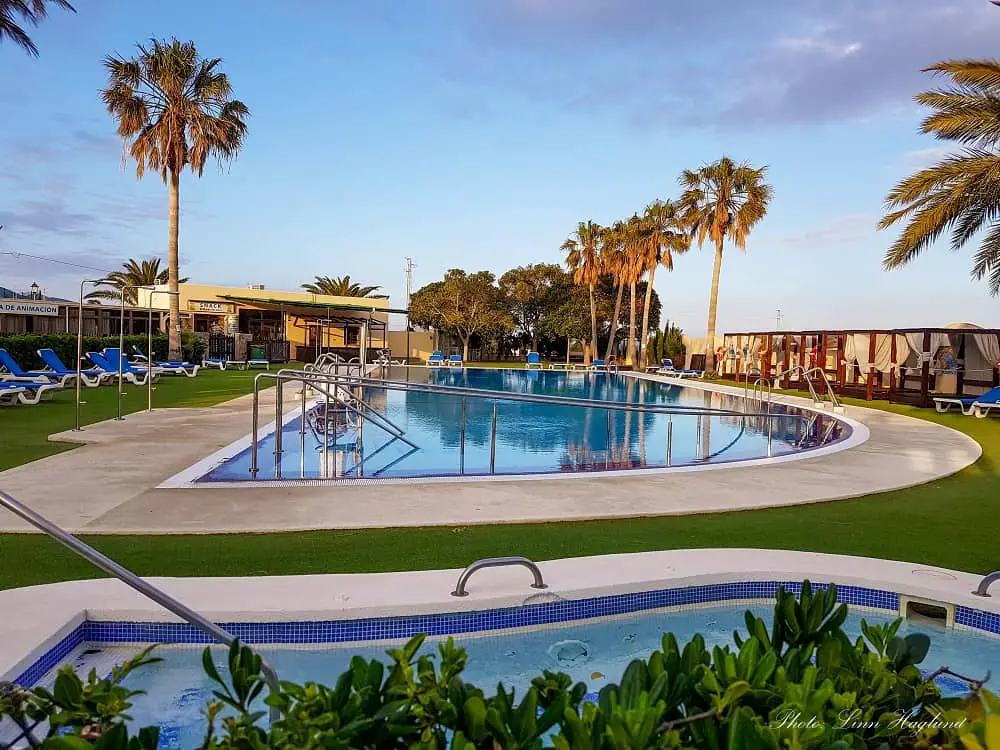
<point>777,320</point>
<point>408,267</point>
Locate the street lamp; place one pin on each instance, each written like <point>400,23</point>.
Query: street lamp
<point>36,291</point>
<point>149,344</point>
<point>121,347</point>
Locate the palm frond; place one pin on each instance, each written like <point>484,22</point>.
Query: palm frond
<point>30,12</point>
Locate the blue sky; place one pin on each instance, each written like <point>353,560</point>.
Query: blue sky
<point>476,133</point>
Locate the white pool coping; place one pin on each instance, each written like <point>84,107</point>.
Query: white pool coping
<point>188,478</point>
<point>47,613</point>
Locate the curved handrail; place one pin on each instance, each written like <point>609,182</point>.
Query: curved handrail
<point>983,589</point>
<point>497,562</point>
<point>130,579</point>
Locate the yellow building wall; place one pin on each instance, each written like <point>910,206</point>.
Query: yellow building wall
<point>421,344</point>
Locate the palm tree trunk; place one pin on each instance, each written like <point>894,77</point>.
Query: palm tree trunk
<point>630,352</point>
<point>173,271</point>
<point>713,305</point>
<point>569,342</point>
<point>593,325</point>
<point>614,323</point>
<point>644,338</point>
<point>465,348</point>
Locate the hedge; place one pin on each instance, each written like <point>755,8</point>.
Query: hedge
<point>24,349</point>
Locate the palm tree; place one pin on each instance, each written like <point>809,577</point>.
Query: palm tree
<point>960,193</point>
<point>143,273</point>
<point>613,260</point>
<point>721,201</point>
<point>666,236</point>
<point>339,287</point>
<point>174,110</point>
<point>584,261</point>
<point>31,12</point>
<point>635,237</point>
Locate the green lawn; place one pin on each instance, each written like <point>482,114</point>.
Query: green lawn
<point>24,430</point>
<point>954,522</point>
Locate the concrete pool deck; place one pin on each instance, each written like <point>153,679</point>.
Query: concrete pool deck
<point>109,485</point>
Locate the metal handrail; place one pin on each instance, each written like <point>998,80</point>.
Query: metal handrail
<point>498,562</point>
<point>983,589</point>
<point>130,579</point>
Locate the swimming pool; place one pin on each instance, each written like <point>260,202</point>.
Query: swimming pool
<point>453,434</point>
<point>593,651</point>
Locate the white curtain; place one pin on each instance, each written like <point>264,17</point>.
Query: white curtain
<point>988,346</point>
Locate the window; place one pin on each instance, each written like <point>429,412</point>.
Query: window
<point>352,336</point>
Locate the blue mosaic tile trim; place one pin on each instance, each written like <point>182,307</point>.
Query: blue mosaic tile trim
<point>394,628</point>
<point>52,658</point>
<point>974,618</point>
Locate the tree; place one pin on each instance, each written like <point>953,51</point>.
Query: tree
<point>133,274</point>
<point>463,304</point>
<point>31,12</point>
<point>960,193</point>
<point>567,316</point>
<point>665,237</point>
<point>635,239</point>
<point>584,261</point>
<point>174,110</point>
<point>340,287</point>
<point>527,290</point>
<point>721,201</point>
<point>613,260</point>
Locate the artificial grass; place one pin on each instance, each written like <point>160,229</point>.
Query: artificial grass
<point>953,522</point>
<point>25,429</point>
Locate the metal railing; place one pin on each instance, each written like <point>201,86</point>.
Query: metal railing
<point>498,562</point>
<point>334,388</point>
<point>334,393</point>
<point>805,375</point>
<point>983,589</point>
<point>130,579</point>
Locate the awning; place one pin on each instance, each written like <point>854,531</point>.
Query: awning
<point>316,305</point>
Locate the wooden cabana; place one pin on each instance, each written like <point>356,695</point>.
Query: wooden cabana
<point>903,365</point>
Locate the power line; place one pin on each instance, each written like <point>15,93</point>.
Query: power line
<point>15,254</point>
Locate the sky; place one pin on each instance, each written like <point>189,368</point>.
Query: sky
<point>477,133</point>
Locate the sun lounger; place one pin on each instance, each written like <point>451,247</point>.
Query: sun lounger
<point>27,392</point>
<point>170,368</point>
<point>173,366</point>
<point>599,364</point>
<point>667,368</point>
<point>130,373</point>
<point>9,392</point>
<point>533,361</point>
<point>265,363</point>
<point>455,360</point>
<point>14,372</point>
<point>91,377</point>
<point>216,362</point>
<point>436,359</point>
<point>986,403</point>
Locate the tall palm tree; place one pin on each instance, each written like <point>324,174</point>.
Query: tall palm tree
<point>635,237</point>
<point>960,193</point>
<point>584,260</point>
<point>339,287</point>
<point>142,273</point>
<point>30,12</point>
<point>665,238</point>
<point>174,110</point>
<point>721,201</point>
<point>613,260</point>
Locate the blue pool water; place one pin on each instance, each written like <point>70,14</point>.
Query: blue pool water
<point>530,437</point>
<point>591,652</point>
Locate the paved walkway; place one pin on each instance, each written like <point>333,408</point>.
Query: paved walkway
<point>108,486</point>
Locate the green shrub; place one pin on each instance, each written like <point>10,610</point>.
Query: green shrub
<point>24,349</point>
<point>801,684</point>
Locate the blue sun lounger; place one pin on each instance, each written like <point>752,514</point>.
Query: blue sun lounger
<point>91,377</point>
<point>599,364</point>
<point>174,367</point>
<point>455,360</point>
<point>26,392</point>
<point>533,361</point>
<point>968,404</point>
<point>667,368</point>
<point>16,373</point>
<point>986,403</point>
<point>131,373</point>
<point>436,359</point>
